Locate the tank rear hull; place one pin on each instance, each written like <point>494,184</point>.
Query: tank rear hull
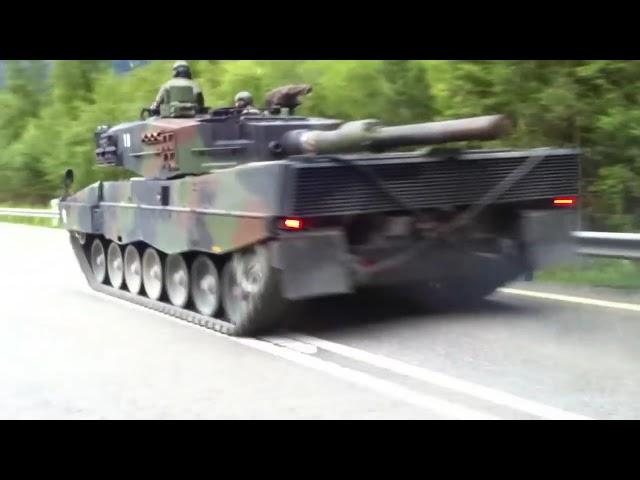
<point>213,220</point>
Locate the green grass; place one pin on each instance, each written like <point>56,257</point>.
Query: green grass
<point>598,272</point>
<point>40,222</point>
<point>24,205</point>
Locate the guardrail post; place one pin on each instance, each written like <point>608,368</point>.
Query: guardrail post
<point>54,206</point>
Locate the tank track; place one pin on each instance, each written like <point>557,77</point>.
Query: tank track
<point>183,314</point>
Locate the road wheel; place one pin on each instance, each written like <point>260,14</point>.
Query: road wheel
<point>205,285</point>
<point>152,277</point>
<point>115,265</point>
<point>250,291</point>
<point>132,269</point>
<point>98,261</point>
<point>177,280</point>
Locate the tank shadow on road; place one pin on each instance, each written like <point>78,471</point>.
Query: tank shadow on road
<point>392,307</point>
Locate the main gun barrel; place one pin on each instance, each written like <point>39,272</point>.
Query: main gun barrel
<point>366,135</point>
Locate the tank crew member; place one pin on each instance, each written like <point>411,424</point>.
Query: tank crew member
<point>245,100</point>
<point>181,77</point>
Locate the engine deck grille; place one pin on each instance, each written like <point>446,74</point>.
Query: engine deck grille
<point>323,187</point>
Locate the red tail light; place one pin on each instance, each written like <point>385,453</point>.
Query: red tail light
<point>565,201</point>
<point>292,224</point>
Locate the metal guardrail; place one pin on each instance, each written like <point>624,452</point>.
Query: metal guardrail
<point>606,244</point>
<point>594,244</point>
<point>25,212</point>
<point>52,213</point>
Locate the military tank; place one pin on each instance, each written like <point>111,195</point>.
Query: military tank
<point>235,217</point>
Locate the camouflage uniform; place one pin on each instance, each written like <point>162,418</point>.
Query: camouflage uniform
<point>179,81</point>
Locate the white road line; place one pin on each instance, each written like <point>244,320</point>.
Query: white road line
<point>291,344</point>
<point>634,307</point>
<point>442,380</point>
<point>384,387</point>
<point>378,385</point>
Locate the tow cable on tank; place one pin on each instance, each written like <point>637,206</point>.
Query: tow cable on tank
<point>420,240</point>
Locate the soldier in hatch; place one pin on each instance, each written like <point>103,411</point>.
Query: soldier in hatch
<point>244,100</point>
<point>181,78</point>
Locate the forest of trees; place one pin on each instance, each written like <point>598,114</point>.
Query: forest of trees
<point>47,119</point>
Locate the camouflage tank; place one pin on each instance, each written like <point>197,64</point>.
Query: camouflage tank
<point>237,216</point>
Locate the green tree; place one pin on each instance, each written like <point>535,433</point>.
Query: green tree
<point>408,96</point>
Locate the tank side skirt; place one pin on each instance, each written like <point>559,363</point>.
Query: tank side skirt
<point>180,229</point>
<point>186,209</point>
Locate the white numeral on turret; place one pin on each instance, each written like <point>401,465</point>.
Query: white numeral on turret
<point>126,140</point>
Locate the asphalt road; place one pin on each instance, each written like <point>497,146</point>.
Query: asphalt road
<point>67,352</point>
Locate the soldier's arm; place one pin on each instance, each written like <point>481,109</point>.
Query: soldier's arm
<point>198,94</point>
<point>200,99</point>
<point>159,98</point>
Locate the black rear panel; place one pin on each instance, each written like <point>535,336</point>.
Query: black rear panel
<point>323,187</point>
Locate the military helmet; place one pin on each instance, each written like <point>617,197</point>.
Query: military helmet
<point>181,69</point>
<point>244,97</point>
<point>180,64</point>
